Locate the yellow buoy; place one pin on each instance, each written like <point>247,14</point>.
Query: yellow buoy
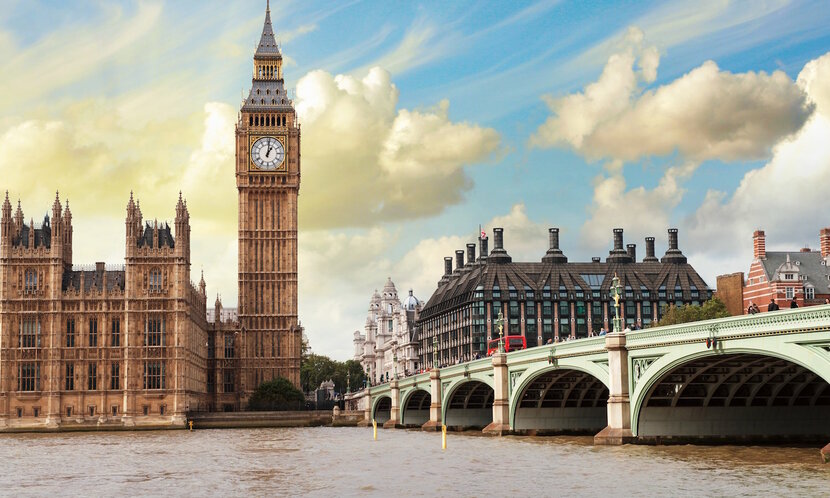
<point>443,437</point>
<point>375,427</point>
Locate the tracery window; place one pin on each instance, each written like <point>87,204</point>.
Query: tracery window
<point>155,280</point>
<point>30,281</point>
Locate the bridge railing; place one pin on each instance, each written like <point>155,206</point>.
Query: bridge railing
<point>774,322</point>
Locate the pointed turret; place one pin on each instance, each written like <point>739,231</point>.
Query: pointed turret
<point>6,223</point>
<point>202,285</point>
<point>267,47</point>
<point>18,216</point>
<point>7,207</point>
<point>56,208</point>
<point>267,89</point>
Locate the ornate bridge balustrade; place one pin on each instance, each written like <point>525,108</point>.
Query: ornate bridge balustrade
<point>762,376</point>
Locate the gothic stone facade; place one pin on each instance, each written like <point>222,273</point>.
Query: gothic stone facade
<point>268,181</point>
<point>132,345</point>
<point>125,346</point>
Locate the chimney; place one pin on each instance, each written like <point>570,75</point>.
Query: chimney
<point>673,253</point>
<point>759,245</point>
<point>483,252</point>
<point>824,238</point>
<point>471,254</point>
<point>650,250</point>
<point>618,254</point>
<point>554,254</point>
<point>673,239</point>
<point>498,254</point>
<point>618,239</point>
<point>459,260</point>
<point>553,238</point>
<point>447,266</point>
<point>632,252</point>
<point>99,267</point>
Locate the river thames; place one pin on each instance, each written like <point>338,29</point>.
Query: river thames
<point>347,462</point>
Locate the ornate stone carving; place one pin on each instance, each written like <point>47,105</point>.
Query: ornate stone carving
<point>639,367</point>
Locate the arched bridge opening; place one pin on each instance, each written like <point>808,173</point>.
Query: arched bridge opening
<point>470,406</point>
<point>383,410</point>
<point>416,409</point>
<point>560,402</point>
<point>737,396</point>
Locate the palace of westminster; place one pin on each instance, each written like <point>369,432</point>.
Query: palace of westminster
<point>131,345</point>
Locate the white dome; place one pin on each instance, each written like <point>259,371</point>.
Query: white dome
<point>410,303</point>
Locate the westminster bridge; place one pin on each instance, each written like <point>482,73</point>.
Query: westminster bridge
<point>747,377</point>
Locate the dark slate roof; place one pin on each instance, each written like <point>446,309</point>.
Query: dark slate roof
<point>72,278</point>
<point>271,96</point>
<point>267,43</point>
<point>43,235</point>
<point>165,237</point>
<point>809,264</point>
<point>570,277</point>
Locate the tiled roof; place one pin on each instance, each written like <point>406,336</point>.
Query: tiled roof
<point>93,278</point>
<point>809,264</point>
<point>570,276</point>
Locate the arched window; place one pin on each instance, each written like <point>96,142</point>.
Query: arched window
<point>30,282</point>
<point>155,280</point>
<point>256,121</point>
<point>257,91</point>
<point>273,101</point>
<point>251,120</point>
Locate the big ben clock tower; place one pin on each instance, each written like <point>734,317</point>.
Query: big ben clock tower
<point>268,181</point>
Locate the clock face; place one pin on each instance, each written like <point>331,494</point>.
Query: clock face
<point>268,153</point>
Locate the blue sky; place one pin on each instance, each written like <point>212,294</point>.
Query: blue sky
<point>445,116</point>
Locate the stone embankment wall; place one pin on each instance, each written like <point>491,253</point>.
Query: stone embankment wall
<point>274,419</point>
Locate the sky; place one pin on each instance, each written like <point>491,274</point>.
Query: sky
<point>422,121</point>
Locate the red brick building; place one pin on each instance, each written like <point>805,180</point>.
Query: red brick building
<point>786,275</point>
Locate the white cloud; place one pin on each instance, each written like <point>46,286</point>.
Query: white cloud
<point>705,114</point>
<point>784,197</point>
<point>404,163</point>
<point>642,212</point>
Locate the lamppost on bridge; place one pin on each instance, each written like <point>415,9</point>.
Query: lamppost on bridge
<point>616,292</point>
<point>500,323</point>
<point>435,351</point>
<point>348,381</point>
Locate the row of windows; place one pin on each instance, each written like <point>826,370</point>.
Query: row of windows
<point>90,410</point>
<point>30,333</point>
<point>28,378</point>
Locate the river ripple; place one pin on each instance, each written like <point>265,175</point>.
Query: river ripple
<point>347,462</point>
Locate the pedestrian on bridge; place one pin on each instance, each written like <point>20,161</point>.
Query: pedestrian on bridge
<point>772,306</point>
<point>793,304</point>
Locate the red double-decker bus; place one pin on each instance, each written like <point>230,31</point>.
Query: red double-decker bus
<point>511,343</point>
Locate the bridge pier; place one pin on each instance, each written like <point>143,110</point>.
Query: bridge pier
<point>395,413</point>
<point>367,410</point>
<point>618,430</point>
<point>501,399</point>
<point>435,421</point>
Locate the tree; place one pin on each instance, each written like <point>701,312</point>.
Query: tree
<point>673,315</point>
<point>276,394</point>
<point>314,370</point>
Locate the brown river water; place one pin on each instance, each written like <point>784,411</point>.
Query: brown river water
<point>347,462</point>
